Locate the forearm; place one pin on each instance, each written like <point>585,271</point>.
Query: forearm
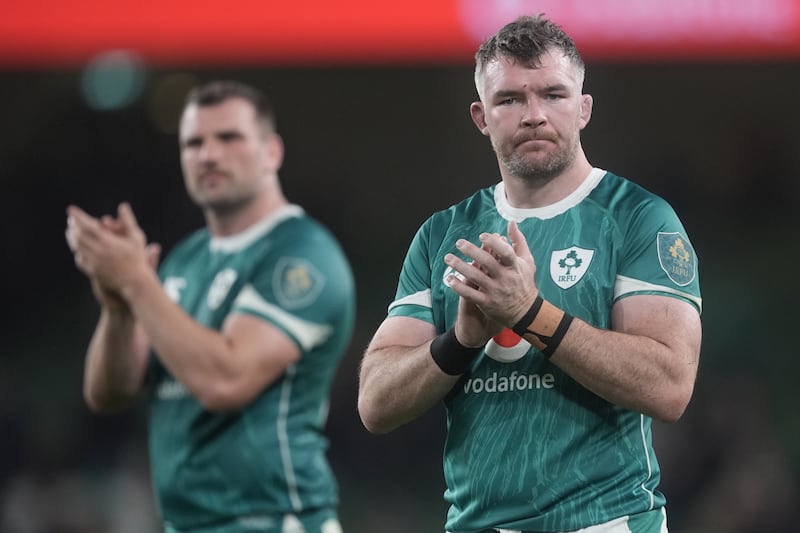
<point>633,371</point>
<point>398,384</point>
<point>199,357</point>
<point>116,362</point>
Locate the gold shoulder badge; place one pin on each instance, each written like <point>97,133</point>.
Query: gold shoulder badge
<point>296,283</point>
<point>676,257</point>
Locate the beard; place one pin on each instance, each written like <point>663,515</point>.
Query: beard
<point>537,168</point>
<point>227,199</point>
<point>226,205</point>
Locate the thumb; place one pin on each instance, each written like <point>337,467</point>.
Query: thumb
<point>111,224</point>
<point>153,254</point>
<point>518,240</point>
<point>126,216</point>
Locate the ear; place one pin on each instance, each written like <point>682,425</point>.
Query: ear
<point>478,115</point>
<point>274,147</point>
<point>586,110</point>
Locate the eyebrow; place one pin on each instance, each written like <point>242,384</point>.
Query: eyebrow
<point>556,87</point>
<point>230,132</point>
<point>507,92</point>
<point>189,140</point>
<point>547,89</point>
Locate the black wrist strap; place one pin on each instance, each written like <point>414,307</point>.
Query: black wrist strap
<point>544,326</point>
<point>521,327</point>
<point>452,357</point>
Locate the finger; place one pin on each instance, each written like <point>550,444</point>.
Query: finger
<point>471,275</point>
<point>79,234</point>
<point>153,254</point>
<point>70,235</point>
<point>82,264</point>
<point>466,290</point>
<point>126,216</point>
<point>74,210</point>
<point>480,255</point>
<point>111,223</point>
<point>518,240</point>
<point>84,227</point>
<point>486,247</point>
<point>79,217</point>
<point>74,241</point>
<point>498,247</point>
<point>129,225</point>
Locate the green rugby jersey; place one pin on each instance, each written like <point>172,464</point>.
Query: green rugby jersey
<point>527,446</point>
<point>217,470</point>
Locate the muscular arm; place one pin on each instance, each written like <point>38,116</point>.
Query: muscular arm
<point>399,380</point>
<point>116,362</point>
<point>224,369</point>
<point>647,363</point>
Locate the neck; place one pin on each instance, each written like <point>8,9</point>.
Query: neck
<point>235,221</point>
<point>527,194</point>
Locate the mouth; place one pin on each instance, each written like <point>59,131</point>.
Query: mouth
<point>533,141</point>
<point>212,177</point>
<point>532,135</point>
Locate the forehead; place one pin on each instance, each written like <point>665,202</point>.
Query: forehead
<point>230,114</point>
<point>504,73</point>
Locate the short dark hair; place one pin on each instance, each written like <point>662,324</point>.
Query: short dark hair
<point>216,92</point>
<point>525,40</point>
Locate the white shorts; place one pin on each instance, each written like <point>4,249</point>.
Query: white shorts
<point>618,525</point>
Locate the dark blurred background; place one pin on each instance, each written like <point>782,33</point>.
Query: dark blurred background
<point>374,147</point>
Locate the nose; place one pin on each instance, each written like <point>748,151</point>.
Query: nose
<point>533,114</point>
<point>210,151</point>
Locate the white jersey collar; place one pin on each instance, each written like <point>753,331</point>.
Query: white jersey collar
<point>243,239</point>
<point>549,211</point>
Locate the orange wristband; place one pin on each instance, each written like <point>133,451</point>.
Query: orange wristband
<point>544,326</point>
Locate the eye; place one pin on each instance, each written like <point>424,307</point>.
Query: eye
<point>229,136</point>
<point>193,142</point>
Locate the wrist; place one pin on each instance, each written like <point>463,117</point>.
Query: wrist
<point>452,357</point>
<point>543,325</point>
<point>116,310</point>
<point>135,288</point>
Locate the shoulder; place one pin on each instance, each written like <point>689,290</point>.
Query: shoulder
<point>625,200</point>
<point>303,244</point>
<point>438,225</point>
<point>463,213</point>
<point>304,233</point>
<point>468,209</point>
<point>189,246</point>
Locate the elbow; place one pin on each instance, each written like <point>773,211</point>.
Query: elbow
<point>670,414</point>
<point>105,402</point>
<point>376,426</point>
<point>228,390</point>
<point>96,404</point>
<point>672,408</point>
<point>219,403</point>
<point>224,397</point>
<point>372,418</point>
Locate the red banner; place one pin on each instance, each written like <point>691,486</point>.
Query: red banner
<point>64,33</point>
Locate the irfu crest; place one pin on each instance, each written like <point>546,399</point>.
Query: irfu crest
<point>568,266</point>
<point>676,257</point>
